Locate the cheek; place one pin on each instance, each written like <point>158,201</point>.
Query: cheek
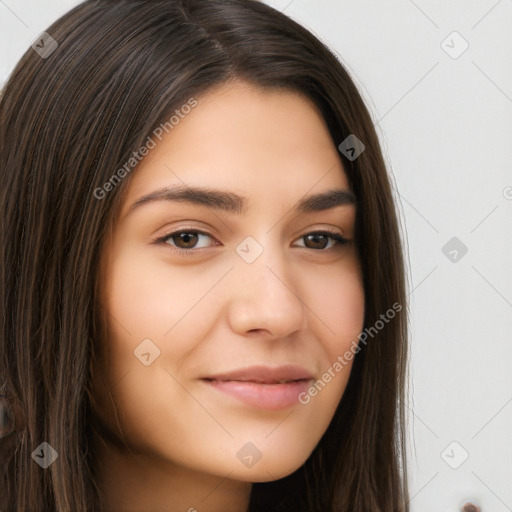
<point>145,297</point>
<point>337,299</point>
<point>148,298</point>
<point>144,302</point>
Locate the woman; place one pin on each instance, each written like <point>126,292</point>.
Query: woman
<point>202,274</point>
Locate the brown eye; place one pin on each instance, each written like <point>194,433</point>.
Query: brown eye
<point>316,241</point>
<point>185,240</point>
<point>320,240</point>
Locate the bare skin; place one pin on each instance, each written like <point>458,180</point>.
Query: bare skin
<point>300,302</point>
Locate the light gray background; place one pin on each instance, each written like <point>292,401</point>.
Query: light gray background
<point>445,126</point>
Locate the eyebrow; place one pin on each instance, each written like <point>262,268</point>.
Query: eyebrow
<point>234,203</point>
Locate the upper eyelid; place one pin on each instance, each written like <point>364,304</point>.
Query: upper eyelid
<point>184,230</point>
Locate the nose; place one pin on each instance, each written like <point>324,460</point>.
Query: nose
<point>264,297</point>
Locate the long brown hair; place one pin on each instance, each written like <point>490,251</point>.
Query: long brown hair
<point>68,120</point>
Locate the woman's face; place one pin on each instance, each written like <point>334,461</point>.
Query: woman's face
<point>212,297</point>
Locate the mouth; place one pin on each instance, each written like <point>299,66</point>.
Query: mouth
<point>269,382</point>
<point>263,387</point>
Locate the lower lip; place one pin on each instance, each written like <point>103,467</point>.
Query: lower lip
<point>272,397</point>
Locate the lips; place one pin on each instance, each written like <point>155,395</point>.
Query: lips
<point>263,387</point>
<point>265,374</point>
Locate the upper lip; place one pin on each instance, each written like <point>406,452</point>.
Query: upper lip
<point>265,374</point>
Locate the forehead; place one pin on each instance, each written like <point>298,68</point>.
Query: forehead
<point>260,142</point>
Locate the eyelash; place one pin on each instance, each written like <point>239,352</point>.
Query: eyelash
<point>340,240</point>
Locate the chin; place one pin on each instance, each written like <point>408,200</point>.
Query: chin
<point>268,471</point>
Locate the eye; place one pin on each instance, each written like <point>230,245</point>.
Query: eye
<point>320,240</point>
<point>185,240</point>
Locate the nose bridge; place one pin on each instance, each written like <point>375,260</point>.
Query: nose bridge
<point>264,294</point>
<point>261,262</point>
